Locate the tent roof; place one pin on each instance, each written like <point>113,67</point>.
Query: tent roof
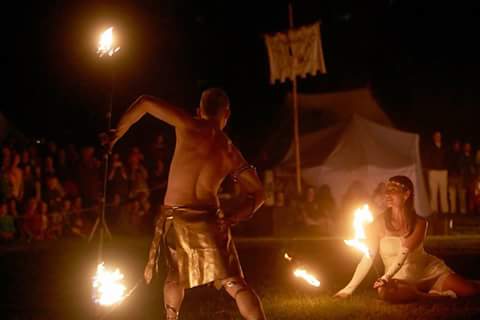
<point>359,142</point>
<point>340,106</point>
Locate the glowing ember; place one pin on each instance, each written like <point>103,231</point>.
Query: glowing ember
<point>302,273</point>
<point>106,45</point>
<point>286,256</point>
<point>109,289</point>
<point>362,216</point>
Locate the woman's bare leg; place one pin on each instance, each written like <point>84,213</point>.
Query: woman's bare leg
<point>461,286</point>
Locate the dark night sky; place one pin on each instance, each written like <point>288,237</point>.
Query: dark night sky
<point>420,57</point>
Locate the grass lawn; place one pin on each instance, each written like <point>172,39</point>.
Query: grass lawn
<point>52,280</point>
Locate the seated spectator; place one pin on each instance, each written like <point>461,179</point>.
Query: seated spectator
<point>137,174</point>
<point>66,213</point>
<point>116,215</point>
<point>36,220</point>
<point>137,216</point>
<point>56,223</point>
<point>316,220</point>
<point>54,193</point>
<point>7,224</point>
<point>79,223</point>
<point>283,216</point>
<point>15,175</point>
<point>118,177</point>
<point>158,183</point>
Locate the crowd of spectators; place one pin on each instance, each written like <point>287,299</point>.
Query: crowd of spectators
<point>48,191</point>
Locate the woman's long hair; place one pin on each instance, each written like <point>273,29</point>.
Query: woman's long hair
<point>410,213</point>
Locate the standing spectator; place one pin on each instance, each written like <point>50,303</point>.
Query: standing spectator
<point>435,162</point>
<point>468,172</point>
<point>455,190</point>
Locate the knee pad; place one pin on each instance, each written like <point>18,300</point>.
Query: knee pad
<point>171,312</point>
<point>235,286</point>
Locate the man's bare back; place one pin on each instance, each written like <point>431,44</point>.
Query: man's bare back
<point>203,157</point>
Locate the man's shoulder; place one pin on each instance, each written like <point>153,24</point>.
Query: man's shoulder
<point>196,125</point>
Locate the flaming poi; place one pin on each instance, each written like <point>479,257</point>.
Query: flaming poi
<point>109,289</point>
<point>362,216</point>
<point>302,273</point>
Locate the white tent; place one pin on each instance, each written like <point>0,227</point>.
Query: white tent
<point>356,151</point>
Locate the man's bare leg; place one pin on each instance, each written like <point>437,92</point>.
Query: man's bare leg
<point>248,303</point>
<point>173,294</point>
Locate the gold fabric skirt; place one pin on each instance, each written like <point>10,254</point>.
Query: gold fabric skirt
<point>198,249</point>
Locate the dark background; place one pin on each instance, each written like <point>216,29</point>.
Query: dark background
<point>420,57</point>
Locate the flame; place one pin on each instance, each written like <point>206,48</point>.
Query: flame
<point>106,43</point>
<point>302,273</point>
<point>362,216</point>
<point>109,289</point>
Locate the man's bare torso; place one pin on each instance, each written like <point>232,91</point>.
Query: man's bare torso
<point>202,159</point>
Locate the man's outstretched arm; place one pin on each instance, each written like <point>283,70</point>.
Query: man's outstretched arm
<point>156,107</point>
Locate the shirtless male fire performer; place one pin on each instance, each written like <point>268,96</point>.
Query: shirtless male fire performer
<point>192,227</point>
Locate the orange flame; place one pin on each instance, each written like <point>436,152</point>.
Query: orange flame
<point>362,216</point>
<point>109,289</point>
<point>302,273</point>
<point>106,43</point>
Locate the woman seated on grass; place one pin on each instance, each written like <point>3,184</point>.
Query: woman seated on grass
<point>410,273</point>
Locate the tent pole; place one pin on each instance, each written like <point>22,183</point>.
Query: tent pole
<point>295,110</point>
